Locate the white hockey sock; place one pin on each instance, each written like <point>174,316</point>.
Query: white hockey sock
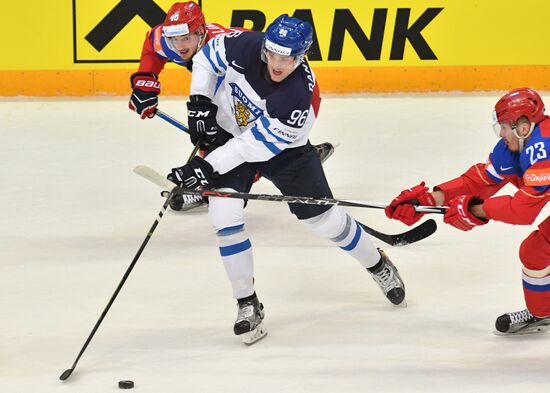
<point>357,243</point>
<point>338,226</point>
<point>236,253</point>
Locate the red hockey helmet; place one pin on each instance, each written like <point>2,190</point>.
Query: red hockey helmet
<point>182,19</point>
<point>517,103</point>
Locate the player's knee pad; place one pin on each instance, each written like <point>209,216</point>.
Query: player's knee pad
<point>330,224</point>
<point>225,212</point>
<point>534,252</point>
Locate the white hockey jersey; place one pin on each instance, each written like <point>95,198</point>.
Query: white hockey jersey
<point>264,117</point>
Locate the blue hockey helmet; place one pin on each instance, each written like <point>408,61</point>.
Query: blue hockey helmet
<point>288,36</point>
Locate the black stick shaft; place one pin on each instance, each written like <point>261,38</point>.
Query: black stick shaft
<point>298,199</point>
<point>68,372</point>
<point>413,235</point>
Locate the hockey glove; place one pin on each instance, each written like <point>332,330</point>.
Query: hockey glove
<point>144,99</point>
<point>197,173</point>
<point>459,215</point>
<point>203,127</point>
<point>402,207</point>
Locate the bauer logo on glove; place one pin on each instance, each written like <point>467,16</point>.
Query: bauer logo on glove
<point>145,91</point>
<point>148,83</point>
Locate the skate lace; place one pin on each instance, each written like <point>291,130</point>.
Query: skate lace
<point>245,312</point>
<point>187,199</point>
<point>384,278</point>
<point>520,316</point>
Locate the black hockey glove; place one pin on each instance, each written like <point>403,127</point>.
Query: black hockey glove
<point>203,127</point>
<point>197,173</point>
<point>144,99</point>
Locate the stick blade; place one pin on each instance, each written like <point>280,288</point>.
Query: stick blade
<point>66,374</point>
<point>422,231</point>
<point>154,177</point>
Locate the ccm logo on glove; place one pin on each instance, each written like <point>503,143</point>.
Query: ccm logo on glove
<point>198,113</point>
<point>198,172</point>
<point>192,182</point>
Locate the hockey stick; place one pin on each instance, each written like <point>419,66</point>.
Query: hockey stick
<point>299,199</point>
<point>171,120</point>
<point>161,181</point>
<point>67,373</point>
<point>415,234</point>
<point>179,125</point>
<point>418,233</point>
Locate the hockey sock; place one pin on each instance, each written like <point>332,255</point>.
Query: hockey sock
<point>236,252</point>
<point>357,243</point>
<point>338,226</point>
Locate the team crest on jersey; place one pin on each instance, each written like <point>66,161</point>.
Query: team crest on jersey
<point>245,110</point>
<point>242,115</point>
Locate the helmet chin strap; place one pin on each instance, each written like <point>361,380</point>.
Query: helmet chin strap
<point>201,41</point>
<point>521,139</point>
<point>298,61</point>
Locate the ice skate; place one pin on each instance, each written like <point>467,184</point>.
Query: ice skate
<point>249,320</point>
<point>324,150</point>
<point>186,202</point>
<point>388,279</point>
<point>521,322</point>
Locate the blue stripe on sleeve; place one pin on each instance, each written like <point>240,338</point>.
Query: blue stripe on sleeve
<point>218,83</point>
<point>271,146</point>
<point>220,62</point>
<point>235,248</point>
<point>206,50</point>
<point>355,240</point>
<point>266,125</point>
<point>493,178</point>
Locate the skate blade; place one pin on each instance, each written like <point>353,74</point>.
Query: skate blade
<point>529,330</point>
<point>330,151</point>
<point>254,335</point>
<point>403,304</point>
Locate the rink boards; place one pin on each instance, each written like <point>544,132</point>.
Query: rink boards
<point>91,48</point>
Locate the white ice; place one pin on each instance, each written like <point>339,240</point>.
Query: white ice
<point>74,216</point>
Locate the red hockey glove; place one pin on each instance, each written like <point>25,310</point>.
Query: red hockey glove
<point>459,215</point>
<point>402,207</point>
<point>144,99</point>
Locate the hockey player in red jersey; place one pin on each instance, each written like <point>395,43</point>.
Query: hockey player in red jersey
<point>522,158</point>
<point>183,33</point>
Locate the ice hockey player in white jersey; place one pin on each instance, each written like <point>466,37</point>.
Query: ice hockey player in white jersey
<point>182,34</point>
<point>254,100</point>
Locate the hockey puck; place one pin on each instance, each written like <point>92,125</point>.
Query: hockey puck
<point>125,384</point>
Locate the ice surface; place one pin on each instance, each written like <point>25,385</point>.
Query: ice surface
<point>74,214</point>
